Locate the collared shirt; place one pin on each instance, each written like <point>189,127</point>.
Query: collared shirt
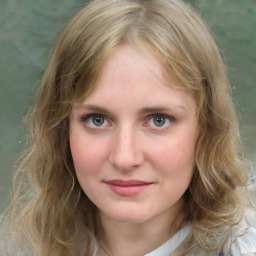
<point>168,247</point>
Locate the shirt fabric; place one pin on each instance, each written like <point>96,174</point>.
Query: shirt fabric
<point>168,247</point>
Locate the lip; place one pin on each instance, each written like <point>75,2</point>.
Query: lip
<point>128,187</point>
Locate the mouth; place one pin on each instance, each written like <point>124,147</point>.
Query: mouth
<point>127,187</point>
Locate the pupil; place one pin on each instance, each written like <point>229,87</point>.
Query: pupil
<point>159,121</point>
<point>98,120</point>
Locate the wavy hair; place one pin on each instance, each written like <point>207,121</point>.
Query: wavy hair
<point>49,213</point>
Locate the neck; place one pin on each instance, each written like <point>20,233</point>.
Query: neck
<point>121,238</point>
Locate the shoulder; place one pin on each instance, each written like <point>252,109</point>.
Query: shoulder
<point>243,237</point>
<point>242,240</point>
<point>5,245</point>
<point>8,244</point>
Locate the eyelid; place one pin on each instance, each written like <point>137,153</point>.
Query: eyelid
<point>169,117</point>
<point>163,115</point>
<point>85,117</point>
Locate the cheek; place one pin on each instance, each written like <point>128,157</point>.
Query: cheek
<point>176,156</point>
<point>87,155</point>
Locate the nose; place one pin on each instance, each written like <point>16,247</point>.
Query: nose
<point>126,153</point>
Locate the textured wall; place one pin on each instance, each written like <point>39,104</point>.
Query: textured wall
<point>28,30</point>
<point>234,25</point>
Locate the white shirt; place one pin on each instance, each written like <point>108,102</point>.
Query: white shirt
<point>168,247</point>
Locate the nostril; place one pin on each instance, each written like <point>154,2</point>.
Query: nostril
<point>125,156</point>
<point>125,161</point>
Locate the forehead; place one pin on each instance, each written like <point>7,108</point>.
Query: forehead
<point>138,76</point>
<point>140,63</point>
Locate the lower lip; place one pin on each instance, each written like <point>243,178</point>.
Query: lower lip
<point>128,190</point>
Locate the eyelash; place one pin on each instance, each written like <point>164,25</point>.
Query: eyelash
<point>170,119</point>
<point>85,118</point>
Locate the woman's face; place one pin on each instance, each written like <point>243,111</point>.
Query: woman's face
<point>133,139</point>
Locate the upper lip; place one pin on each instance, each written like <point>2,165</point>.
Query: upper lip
<point>127,182</point>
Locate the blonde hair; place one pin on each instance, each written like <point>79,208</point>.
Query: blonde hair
<point>50,213</point>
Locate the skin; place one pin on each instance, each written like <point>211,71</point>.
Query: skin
<point>135,126</point>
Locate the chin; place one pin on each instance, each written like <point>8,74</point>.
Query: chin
<point>129,216</point>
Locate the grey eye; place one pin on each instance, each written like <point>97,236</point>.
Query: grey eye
<point>98,120</point>
<point>159,121</point>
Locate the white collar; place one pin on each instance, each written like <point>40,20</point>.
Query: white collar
<point>168,247</point>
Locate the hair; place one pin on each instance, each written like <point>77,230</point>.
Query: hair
<point>50,213</point>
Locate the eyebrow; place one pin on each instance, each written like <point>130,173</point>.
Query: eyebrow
<point>161,109</point>
<point>95,108</point>
<point>144,110</point>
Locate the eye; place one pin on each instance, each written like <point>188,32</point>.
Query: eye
<point>160,121</point>
<point>95,121</point>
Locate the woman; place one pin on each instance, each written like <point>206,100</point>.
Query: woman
<point>134,141</point>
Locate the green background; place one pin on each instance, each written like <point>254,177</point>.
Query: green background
<point>29,29</point>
